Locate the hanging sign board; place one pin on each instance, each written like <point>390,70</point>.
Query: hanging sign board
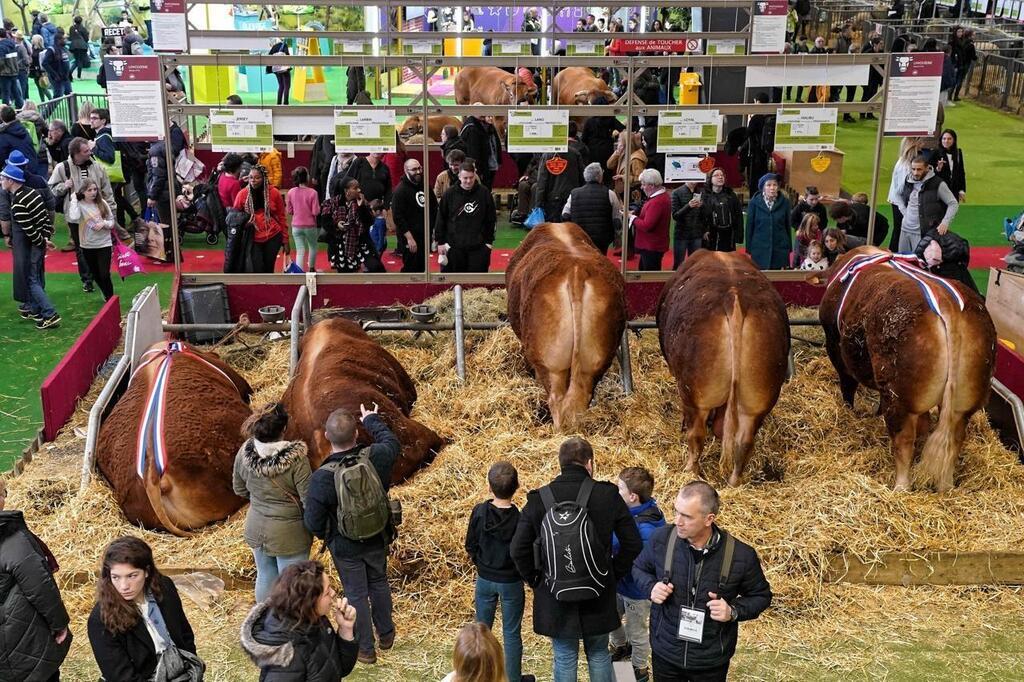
<point>802,129</point>
<point>696,130</point>
<point>510,48</point>
<point>169,32</point>
<point>241,130</point>
<point>584,48</point>
<point>422,47</point>
<point>363,47</point>
<point>532,130</point>
<point>680,168</point>
<point>716,47</point>
<point>674,46</point>
<point>768,34</point>
<point>912,99</point>
<point>135,96</point>
<point>115,33</point>
<point>367,130</point>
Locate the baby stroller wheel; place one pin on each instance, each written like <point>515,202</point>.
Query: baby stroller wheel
<point>212,238</point>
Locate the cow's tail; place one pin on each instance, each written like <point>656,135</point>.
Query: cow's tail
<point>576,396</point>
<point>941,450</point>
<point>151,483</point>
<point>730,426</point>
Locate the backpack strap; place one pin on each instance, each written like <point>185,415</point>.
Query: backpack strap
<point>584,495</point>
<point>670,549</point>
<point>546,498</point>
<point>728,551</point>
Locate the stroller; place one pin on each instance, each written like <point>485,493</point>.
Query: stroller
<point>198,205</point>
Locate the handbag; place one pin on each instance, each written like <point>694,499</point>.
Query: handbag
<point>535,218</point>
<point>74,212</point>
<point>187,167</point>
<point>155,242</point>
<point>128,262</point>
<point>114,171</point>
<point>179,665</point>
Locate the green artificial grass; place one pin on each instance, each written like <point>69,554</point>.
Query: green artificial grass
<point>31,354</point>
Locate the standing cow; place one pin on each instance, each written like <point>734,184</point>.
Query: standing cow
<point>169,444</point>
<point>340,366</point>
<point>579,85</point>
<point>725,336</point>
<point>491,85</point>
<point>919,340</point>
<point>566,303</point>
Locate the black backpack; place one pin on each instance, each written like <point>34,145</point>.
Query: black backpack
<point>574,561</point>
<point>768,135</point>
<point>215,209</point>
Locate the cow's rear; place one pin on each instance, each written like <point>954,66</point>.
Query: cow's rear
<point>566,303</point>
<point>724,334</point>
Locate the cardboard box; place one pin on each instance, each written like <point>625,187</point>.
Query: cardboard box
<point>798,174</point>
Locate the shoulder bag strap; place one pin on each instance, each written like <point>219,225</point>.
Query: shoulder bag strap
<point>670,548</point>
<point>728,550</point>
<point>585,489</point>
<point>293,498</point>
<point>546,498</point>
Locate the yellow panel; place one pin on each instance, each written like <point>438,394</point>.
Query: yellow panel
<point>212,84</point>
<point>472,47</point>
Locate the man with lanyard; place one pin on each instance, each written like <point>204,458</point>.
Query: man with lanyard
<point>702,582</point>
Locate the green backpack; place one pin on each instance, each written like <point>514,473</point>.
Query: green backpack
<point>114,169</point>
<point>363,509</point>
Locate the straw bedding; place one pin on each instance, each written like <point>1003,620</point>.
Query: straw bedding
<point>819,482</point>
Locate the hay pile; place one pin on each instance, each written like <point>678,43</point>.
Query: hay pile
<point>819,483</point>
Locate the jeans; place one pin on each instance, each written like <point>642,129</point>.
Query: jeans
<point>637,613</point>
<point>513,600</point>
<point>684,246</point>
<point>284,85</point>
<point>664,671</point>
<point>305,246</point>
<point>269,567</point>
<point>84,273</point>
<point>366,586</point>
<point>567,652</point>
<point>60,88</point>
<point>10,91</point>
<point>23,84</point>
<point>909,239</point>
<point>39,303</point>
<point>264,254</point>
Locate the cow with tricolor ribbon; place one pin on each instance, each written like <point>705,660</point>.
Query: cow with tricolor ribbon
<point>923,342</point>
<point>169,444</point>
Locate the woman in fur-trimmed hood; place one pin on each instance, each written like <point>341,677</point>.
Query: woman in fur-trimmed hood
<point>273,474</point>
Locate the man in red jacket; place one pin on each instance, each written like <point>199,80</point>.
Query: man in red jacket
<point>652,225</point>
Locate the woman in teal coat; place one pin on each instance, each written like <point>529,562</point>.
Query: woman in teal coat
<point>769,238</point>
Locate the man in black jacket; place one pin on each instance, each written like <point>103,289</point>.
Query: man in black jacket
<point>566,623</point>
<point>595,208</point>
<point>558,174</point>
<point>361,564</point>
<point>483,146</point>
<point>715,581</point>
<point>852,218</point>
<point>407,204</point>
<point>464,227</point>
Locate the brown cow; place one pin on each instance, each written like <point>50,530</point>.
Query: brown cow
<point>340,366</point>
<point>579,85</point>
<point>491,85</point>
<point>205,404</point>
<point>414,126</point>
<point>882,331</point>
<point>725,336</point>
<point>566,303</point>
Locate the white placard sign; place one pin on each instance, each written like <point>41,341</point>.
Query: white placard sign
<point>689,130</point>
<point>912,100</point>
<point>768,32</point>
<point>805,129</point>
<point>531,130</point>
<point>169,26</point>
<point>135,96</point>
<point>365,130</point>
<point>246,130</point>
<point>679,168</point>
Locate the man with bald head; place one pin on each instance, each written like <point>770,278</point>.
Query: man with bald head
<point>702,581</point>
<point>407,204</point>
<point>362,563</point>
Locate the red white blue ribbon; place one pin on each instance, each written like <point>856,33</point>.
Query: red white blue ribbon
<point>150,438</point>
<point>907,264</point>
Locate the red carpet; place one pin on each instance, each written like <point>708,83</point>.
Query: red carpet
<point>212,260</point>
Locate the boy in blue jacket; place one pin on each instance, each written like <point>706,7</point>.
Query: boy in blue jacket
<point>636,486</point>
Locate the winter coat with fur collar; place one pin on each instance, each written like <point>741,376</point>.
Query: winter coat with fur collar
<point>274,477</point>
<point>286,652</point>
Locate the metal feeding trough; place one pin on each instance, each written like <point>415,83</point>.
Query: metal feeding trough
<point>272,313</point>
<point>424,314</point>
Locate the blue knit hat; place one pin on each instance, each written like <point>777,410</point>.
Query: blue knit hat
<point>765,178</point>
<point>17,158</point>
<point>14,173</point>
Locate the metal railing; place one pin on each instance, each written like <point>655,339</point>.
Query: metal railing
<point>1001,83</point>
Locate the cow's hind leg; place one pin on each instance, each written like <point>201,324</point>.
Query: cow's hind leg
<point>695,422</point>
<point>737,446</point>
<point>903,435</point>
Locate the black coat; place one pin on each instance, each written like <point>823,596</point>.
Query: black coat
<point>477,136</point>
<point>374,182</point>
<point>956,257</point>
<point>31,610</point>
<point>407,210</point>
<point>552,191</point>
<point>688,220</point>
<point>597,135</point>
<point>722,215</point>
<point>320,162</point>
<point>131,656</point>
<point>285,653</point>
<point>238,240</point>
<point>796,216</point>
<point>745,589</point>
<point>955,178</point>
<point>609,514</point>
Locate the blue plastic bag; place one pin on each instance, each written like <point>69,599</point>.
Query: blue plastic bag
<point>294,269</point>
<point>379,234</point>
<point>535,218</point>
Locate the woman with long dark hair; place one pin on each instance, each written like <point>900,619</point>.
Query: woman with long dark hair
<point>263,203</point>
<point>273,474</point>
<point>138,618</point>
<point>290,637</point>
<point>346,218</point>
<point>948,162</point>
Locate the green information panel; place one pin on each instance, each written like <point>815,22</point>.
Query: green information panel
<point>584,48</point>
<point>538,131</point>
<point>364,130</point>
<point>803,129</point>
<point>247,130</point>
<point>693,130</point>
<point>510,48</point>
<point>423,47</point>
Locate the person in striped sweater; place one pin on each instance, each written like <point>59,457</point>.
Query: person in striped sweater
<point>29,215</point>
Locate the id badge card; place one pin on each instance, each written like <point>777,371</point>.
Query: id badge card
<point>691,624</point>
